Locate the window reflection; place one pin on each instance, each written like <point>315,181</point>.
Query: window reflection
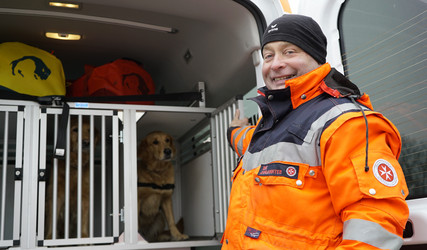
<point>383,48</point>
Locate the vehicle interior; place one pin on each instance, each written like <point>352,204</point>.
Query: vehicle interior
<point>179,43</point>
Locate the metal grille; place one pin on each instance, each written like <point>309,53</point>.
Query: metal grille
<point>195,143</point>
<point>224,158</point>
<point>11,141</point>
<point>28,134</point>
<point>72,213</point>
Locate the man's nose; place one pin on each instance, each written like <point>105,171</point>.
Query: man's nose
<point>278,62</point>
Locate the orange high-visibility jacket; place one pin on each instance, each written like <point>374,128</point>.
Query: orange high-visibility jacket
<point>302,180</point>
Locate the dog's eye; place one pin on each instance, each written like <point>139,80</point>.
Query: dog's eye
<point>167,140</point>
<point>156,142</point>
<point>75,130</point>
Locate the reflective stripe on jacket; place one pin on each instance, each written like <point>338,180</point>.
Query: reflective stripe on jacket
<point>302,184</point>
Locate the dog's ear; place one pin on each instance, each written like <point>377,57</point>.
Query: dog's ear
<point>140,151</point>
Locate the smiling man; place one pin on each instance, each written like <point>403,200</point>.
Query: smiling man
<point>320,169</point>
<point>284,61</point>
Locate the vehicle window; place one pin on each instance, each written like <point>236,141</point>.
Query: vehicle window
<point>384,52</point>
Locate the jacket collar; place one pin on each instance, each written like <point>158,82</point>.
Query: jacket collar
<point>305,87</point>
<point>321,80</point>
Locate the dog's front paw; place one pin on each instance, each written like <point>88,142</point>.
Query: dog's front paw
<point>180,237</point>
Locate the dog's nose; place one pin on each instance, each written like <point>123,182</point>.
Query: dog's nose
<point>85,143</point>
<point>167,151</point>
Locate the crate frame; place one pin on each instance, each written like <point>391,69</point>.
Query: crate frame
<point>28,229</point>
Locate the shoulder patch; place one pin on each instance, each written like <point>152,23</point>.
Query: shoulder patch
<point>385,173</point>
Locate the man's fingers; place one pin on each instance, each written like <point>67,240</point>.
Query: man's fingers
<point>237,114</point>
<point>237,122</point>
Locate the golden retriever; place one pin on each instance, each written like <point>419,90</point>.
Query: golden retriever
<point>73,183</point>
<point>156,181</point>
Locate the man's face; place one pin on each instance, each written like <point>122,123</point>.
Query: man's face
<point>284,61</point>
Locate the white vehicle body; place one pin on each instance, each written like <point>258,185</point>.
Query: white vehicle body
<point>216,48</point>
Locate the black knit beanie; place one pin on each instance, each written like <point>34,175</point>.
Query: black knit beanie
<point>299,30</point>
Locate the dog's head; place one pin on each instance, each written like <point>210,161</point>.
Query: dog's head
<point>158,146</point>
<point>85,135</point>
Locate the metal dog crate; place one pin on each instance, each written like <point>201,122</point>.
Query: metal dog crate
<point>28,134</point>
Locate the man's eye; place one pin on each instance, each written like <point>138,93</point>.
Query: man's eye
<point>267,56</point>
<point>288,52</point>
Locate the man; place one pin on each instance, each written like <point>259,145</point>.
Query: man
<point>320,169</point>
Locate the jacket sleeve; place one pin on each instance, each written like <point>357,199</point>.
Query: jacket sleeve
<point>239,138</point>
<point>370,203</point>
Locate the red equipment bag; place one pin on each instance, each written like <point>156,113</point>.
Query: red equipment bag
<point>121,77</point>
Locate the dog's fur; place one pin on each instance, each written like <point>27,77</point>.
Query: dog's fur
<point>156,172</point>
<point>85,156</point>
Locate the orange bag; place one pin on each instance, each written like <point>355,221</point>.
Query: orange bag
<point>119,78</point>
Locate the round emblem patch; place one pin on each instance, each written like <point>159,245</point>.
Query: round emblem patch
<point>385,173</point>
<point>291,171</point>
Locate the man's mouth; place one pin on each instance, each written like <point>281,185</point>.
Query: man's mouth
<point>283,77</point>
